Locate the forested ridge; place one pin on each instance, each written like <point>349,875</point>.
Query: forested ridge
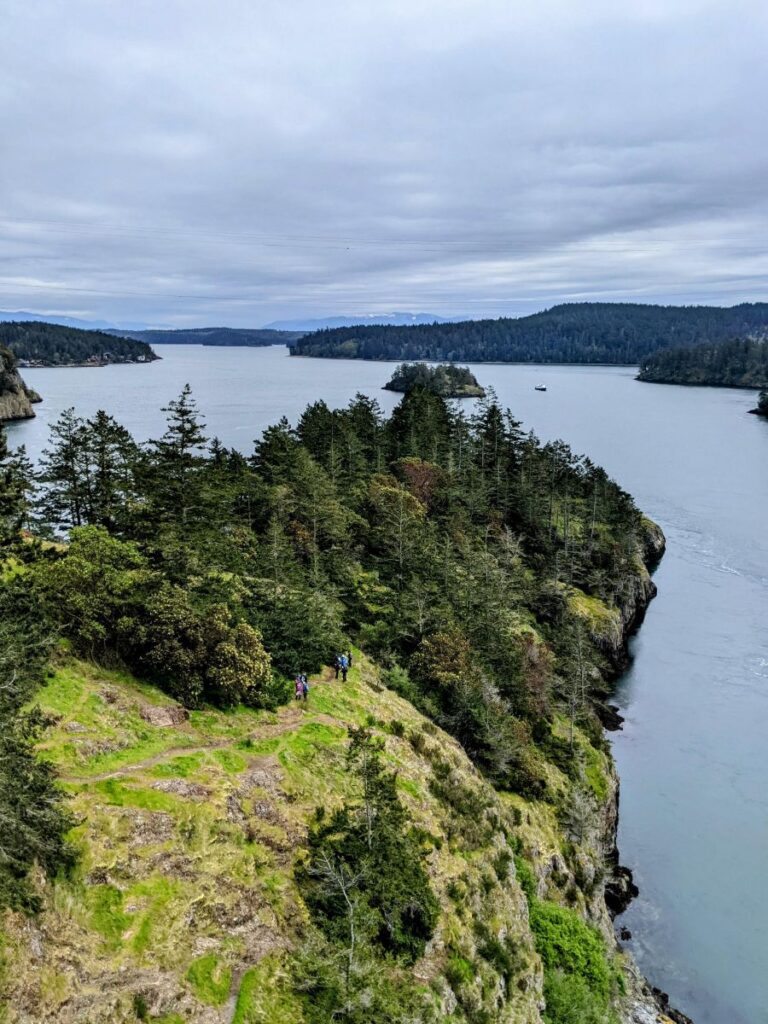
<point>214,336</point>
<point>736,363</point>
<point>586,332</point>
<point>490,576</point>
<point>44,344</point>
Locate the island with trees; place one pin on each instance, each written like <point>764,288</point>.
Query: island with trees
<point>182,840</point>
<point>35,343</point>
<point>761,408</point>
<point>585,332</point>
<point>448,381</point>
<point>734,363</point>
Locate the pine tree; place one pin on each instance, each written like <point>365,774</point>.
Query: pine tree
<point>113,456</point>
<point>65,472</point>
<point>177,457</point>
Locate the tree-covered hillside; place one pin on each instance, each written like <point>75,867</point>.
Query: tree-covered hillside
<point>216,336</point>
<point>587,332</point>
<point>490,577</point>
<point>737,363</point>
<point>41,344</point>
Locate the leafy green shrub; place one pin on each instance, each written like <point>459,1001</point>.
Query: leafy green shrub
<point>566,943</point>
<point>570,1000</point>
<point>113,606</point>
<point>199,656</point>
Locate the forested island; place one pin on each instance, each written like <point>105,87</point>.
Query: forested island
<point>586,332</point>
<point>16,399</point>
<point>432,838</point>
<point>448,381</point>
<point>735,363</point>
<point>762,404</point>
<point>216,336</point>
<point>35,343</point>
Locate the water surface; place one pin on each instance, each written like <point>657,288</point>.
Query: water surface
<point>693,756</point>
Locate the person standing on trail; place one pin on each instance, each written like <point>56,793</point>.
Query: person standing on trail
<point>299,688</point>
<point>349,658</point>
<point>344,667</point>
<point>337,665</point>
<point>305,688</point>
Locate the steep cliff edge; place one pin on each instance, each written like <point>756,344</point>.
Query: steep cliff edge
<point>16,399</point>
<point>185,907</point>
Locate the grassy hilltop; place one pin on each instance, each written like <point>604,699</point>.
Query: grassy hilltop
<point>189,834</point>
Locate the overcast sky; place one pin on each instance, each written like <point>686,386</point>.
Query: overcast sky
<point>235,161</point>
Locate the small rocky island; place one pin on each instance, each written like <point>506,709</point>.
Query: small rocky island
<point>16,399</point>
<point>446,380</point>
<point>762,405</point>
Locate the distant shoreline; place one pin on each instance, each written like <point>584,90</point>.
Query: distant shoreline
<point>88,365</point>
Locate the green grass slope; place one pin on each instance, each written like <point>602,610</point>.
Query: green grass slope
<point>184,906</point>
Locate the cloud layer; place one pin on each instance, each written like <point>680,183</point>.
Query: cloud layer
<point>191,162</point>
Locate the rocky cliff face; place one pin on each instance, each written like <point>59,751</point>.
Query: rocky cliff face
<point>16,399</point>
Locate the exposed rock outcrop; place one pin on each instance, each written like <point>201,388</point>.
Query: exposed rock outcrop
<point>16,399</point>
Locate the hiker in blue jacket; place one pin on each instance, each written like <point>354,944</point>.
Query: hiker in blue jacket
<point>344,667</point>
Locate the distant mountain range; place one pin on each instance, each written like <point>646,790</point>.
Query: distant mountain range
<point>300,326</point>
<point>373,319</point>
<point>22,315</point>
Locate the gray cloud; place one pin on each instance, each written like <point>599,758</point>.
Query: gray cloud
<point>232,162</point>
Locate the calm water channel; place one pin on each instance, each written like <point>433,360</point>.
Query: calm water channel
<point>693,755</point>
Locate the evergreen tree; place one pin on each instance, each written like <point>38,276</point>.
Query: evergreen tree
<point>175,469</point>
<point>113,458</point>
<point>65,473</point>
<point>17,488</point>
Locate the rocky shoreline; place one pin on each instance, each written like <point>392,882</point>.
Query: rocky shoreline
<point>16,399</point>
<point>620,888</point>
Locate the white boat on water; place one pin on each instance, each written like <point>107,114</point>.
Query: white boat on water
<point>540,387</point>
